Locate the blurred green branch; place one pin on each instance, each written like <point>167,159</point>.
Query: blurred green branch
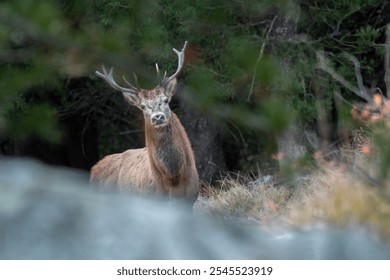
<point>93,54</point>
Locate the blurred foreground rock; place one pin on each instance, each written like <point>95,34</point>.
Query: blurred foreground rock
<point>48,213</point>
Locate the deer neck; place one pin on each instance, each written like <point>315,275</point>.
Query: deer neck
<point>169,150</point>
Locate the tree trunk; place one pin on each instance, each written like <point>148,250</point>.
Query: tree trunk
<point>292,142</point>
<point>205,140</point>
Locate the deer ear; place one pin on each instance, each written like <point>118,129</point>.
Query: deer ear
<point>170,88</point>
<point>132,98</point>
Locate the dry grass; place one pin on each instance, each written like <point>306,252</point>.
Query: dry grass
<point>337,196</point>
<point>252,202</point>
<point>332,193</point>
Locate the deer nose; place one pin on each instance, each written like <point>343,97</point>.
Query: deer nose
<point>158,119</point>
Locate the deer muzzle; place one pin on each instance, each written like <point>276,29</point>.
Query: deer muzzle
<point>158,119</point>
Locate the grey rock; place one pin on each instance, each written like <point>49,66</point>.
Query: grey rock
<point>51,213</point>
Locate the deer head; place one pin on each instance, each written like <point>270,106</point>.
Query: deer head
<point>154,103</point>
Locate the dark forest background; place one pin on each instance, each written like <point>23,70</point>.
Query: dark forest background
<point>260,88</point>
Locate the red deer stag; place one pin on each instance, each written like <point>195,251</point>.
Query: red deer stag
<point>166,165</point>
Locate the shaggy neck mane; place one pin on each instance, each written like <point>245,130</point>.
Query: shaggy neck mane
<point>169,151</point>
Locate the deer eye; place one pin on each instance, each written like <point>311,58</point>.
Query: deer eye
<point>166,100</point>
<point>142,106</point>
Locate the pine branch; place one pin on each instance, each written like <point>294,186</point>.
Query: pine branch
<point>358,74</point>
<point>324,66</point>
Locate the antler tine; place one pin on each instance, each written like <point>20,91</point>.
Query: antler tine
<point>129,84</point>
<point>136,79</point>
<point>158,71</point>
<point>108,77</point>
<point>180,63</point>
<point>165,75</point>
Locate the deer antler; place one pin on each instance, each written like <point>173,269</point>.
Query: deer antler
<point>107,76</point>
<point>180,63</point>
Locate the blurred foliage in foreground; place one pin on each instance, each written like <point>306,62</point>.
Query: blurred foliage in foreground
<point>238,72</point>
